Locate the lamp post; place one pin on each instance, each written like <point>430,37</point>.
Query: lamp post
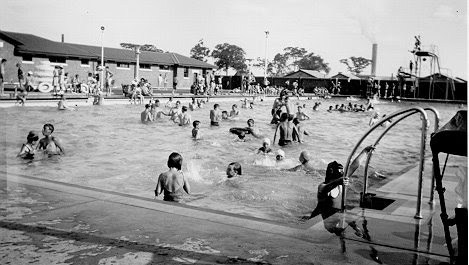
<point>102,58</point>
<point>137,66</point>
<point>265,58</point>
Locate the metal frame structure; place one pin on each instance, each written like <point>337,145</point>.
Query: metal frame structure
<point>405,113</point>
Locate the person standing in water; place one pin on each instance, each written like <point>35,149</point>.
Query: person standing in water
<point>286,129</point>
<point>173,183</point>
<point>50,144</point>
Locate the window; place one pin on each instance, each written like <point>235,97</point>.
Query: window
<point>164,67</point>
<point>27,58</point>
<point>145,66</point>
<point>57,60</point>
<point>186,71</point>
<point>123,65</point>
<point>85,62</point>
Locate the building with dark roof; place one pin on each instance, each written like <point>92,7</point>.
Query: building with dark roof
<point>36,53</point>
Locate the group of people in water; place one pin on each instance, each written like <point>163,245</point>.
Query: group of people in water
<point>48,145</point>
<point>173,183</point>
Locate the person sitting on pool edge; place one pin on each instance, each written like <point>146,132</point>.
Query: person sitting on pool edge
<point>50,144</point>
<point>27,150</point>
<point>172,183</point>
<point>233,170</point>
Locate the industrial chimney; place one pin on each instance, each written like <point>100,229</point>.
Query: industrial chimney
<point>63,38</point>
<point>374,55</point>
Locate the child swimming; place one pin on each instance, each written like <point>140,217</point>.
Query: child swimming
<point>195,131</point>
<point>233,170</point>
<point>265,149</point>
<point>28,149</point>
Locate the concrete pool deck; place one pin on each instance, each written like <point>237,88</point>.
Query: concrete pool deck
<point>48,222</point>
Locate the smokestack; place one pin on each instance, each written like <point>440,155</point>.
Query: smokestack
<point>63,38</point>
<point>374,55</point>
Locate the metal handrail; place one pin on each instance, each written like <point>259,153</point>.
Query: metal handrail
<point>422,151</point>
<point>365,176</point>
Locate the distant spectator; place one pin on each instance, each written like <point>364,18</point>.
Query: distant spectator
<point>2,75</point>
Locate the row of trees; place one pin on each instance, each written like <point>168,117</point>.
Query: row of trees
<point>293,58</point>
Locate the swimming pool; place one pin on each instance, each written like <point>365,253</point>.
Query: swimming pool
<point>108,148</point>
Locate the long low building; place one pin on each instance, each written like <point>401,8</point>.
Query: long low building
<point>38,54</point>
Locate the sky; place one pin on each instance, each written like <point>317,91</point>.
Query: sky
<point>332,29</point>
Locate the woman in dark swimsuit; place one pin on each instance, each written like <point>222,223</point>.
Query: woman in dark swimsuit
<point>173,182</point>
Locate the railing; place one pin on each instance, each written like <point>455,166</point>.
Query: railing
<point>405,113</point>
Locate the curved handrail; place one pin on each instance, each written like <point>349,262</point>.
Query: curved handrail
<point>379,123</point>
<point>436,126</point>
<point>422,158</point>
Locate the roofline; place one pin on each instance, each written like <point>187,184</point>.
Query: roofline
<point>90,55</point>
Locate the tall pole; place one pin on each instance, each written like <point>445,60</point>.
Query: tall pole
<point>265,58</point>
<point>102,58</point>
<point>137,66</point>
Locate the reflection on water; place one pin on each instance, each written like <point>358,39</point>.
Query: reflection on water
<point>108,148</point>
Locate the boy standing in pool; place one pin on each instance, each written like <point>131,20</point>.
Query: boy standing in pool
<point>50,144</point>
<point>215,115</point>
<point>195,131</point>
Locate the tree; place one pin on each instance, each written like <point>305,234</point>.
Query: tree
<point>356,65</point>
<point>313,62</point>
<point>279,64</point>
<point>200,52</point>
<point>228,55</point>
<point>294,54</point>
<point>260,62</point>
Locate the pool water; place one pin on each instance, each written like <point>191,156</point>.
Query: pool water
<point>107,147</point>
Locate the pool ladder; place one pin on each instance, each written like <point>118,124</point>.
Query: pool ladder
<point>399,115</point>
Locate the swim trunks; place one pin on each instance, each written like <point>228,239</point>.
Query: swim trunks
<point>284,142</point>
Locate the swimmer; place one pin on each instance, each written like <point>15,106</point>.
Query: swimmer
<point>265,149</point>
<point>286,130</point>
<point>233,170</point>
<point>300,115</point>
<point>215,115</point>
<point>156,111</point>
<point>27,150</point>
<point>329,192</point>
<point>331,109</point>
<point>50,144</point>
<point>172,183</point>
<point>276,117</point>
<point>62,105</point>
<point>280,155</point>
<point>193,105</point>
<point>300,129</point>
<point>316,106</point>
<point>174,112</point>
<point>195,131</point>
<point>145,116</point>
<point>244,103</point>
<point>234,111</point>
<point>374,119</point>
<point>184,117</point>
<point>305,160</point>
<point>224,115</point>
<point>170,103</point>
<point>251,105</point>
